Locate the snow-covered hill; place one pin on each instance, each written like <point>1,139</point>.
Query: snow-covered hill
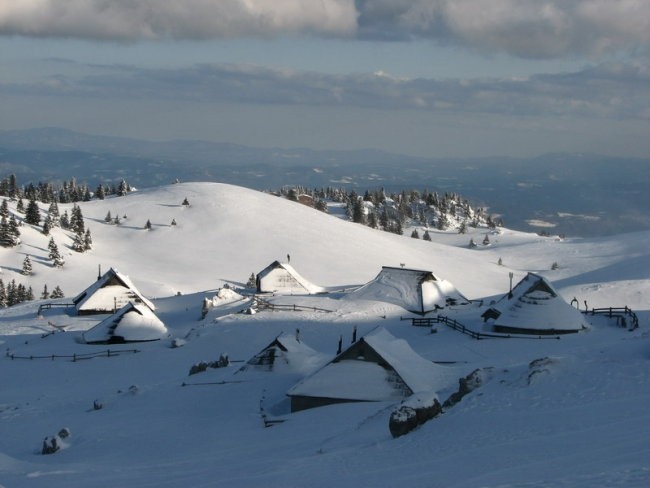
<point>577,418</point>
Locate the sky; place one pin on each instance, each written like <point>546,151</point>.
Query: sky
<point>433,78</point>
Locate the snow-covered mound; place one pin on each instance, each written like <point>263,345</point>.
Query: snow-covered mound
<point>415,290</point>
<point>550,415</point>
<point>135,322</point>
<point>535,307</point>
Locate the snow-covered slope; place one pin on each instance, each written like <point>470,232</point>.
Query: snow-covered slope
<point>568,412</point>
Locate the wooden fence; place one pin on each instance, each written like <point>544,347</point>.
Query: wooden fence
<point>108,353</point>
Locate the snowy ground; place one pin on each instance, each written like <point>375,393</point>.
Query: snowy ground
<point>579,418</point>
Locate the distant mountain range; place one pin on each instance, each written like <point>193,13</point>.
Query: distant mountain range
<point>575,194</point>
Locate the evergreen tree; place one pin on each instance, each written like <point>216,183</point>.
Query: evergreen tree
<point>54,255</point>
<point>32,214</point>
<point>12,298</point>
<point>7,238</point>
<point>27,266</point>
<point>53,212</point>
<point>358,215</point>
<point>77,220</point>
<point>472,243</point>
<point>29,296</point>
<point>252,282</point>
<point>13,227</point>
<point>186,202</point>
<point>108,218</point>
<point>45,294</point>
<point>147,226</point>
<point>57,293</point>
<point>65,220</point>
<point>123,189</point>
<point>78,243</point>
<point>47,225</point>
<point>3,295</point>
<point>88,240</point>
<point>20,206</point>
<point>100,193</point>
<point>372,220</point>
<point>415,234</point>
<point>463,228</point>
<point>486,240</point>
<point>4,208</point>
<point>426,236</point>
<point>173,222</point>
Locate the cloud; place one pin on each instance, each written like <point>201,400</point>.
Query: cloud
<point>175,19</point>
<point>525,28</point>
<point>609,90</point>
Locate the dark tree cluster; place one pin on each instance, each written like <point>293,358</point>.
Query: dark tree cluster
<point>14,293</point>
<point>391,211</point>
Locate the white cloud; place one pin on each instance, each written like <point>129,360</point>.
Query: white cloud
<point>175,19</point>
<point>526,28</point>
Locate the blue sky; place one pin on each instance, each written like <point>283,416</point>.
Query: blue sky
<point>437,78</point>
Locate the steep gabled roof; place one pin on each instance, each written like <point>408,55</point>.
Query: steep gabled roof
<point>308,286</point>
<point>102,293</point>
<point>286,352</point>
<point>132,323</point>
<point>377,367</point>
<point>534,306</point>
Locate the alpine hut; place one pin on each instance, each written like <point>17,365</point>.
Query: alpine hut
<point>534,307</point>
<point>283,279</point>
<point>286,353</point>
<point>417,291</point>
<point>135,322</point>
<point>109,293</point>
<point>378,367</point>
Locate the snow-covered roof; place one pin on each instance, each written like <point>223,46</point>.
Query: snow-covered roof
<point>287,353</point>
<point>416,290</point>
<point>534,305</point>
<point>282,277</point>
<point>112,288</point>
<point>399,372</point>
<point>132,323</point>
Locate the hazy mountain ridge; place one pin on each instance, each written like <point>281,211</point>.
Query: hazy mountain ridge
<point>574,194</point>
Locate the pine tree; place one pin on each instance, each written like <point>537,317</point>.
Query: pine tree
<point>472,243</point>
<point>78,243</point>
<point>372,220</point>
<point>463,227</point>
<point>3,295</point>
<point>123,188</point>
<point>147,226</point>
<point>415,234</point>
<point>54,255</point>
<point>77,220</point>
<point>57,293</point>
<point>7,239</point>
<point>486,240</point>
<point>186,202</point>
<point>13,227</point>
<point>47,225</point>
<point>27,266</point>
<point>108,218</point>
<point>65,220</point>
<point>53,212</point>
<point>173,222</point>
<point>32,214</point>
<point>20,206</point>
<point>426,236</point>
<point>45,294</point>
<point>100,193</point>
<point>4,208</point>
<point>88,241</point>
<point>29,295</point>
